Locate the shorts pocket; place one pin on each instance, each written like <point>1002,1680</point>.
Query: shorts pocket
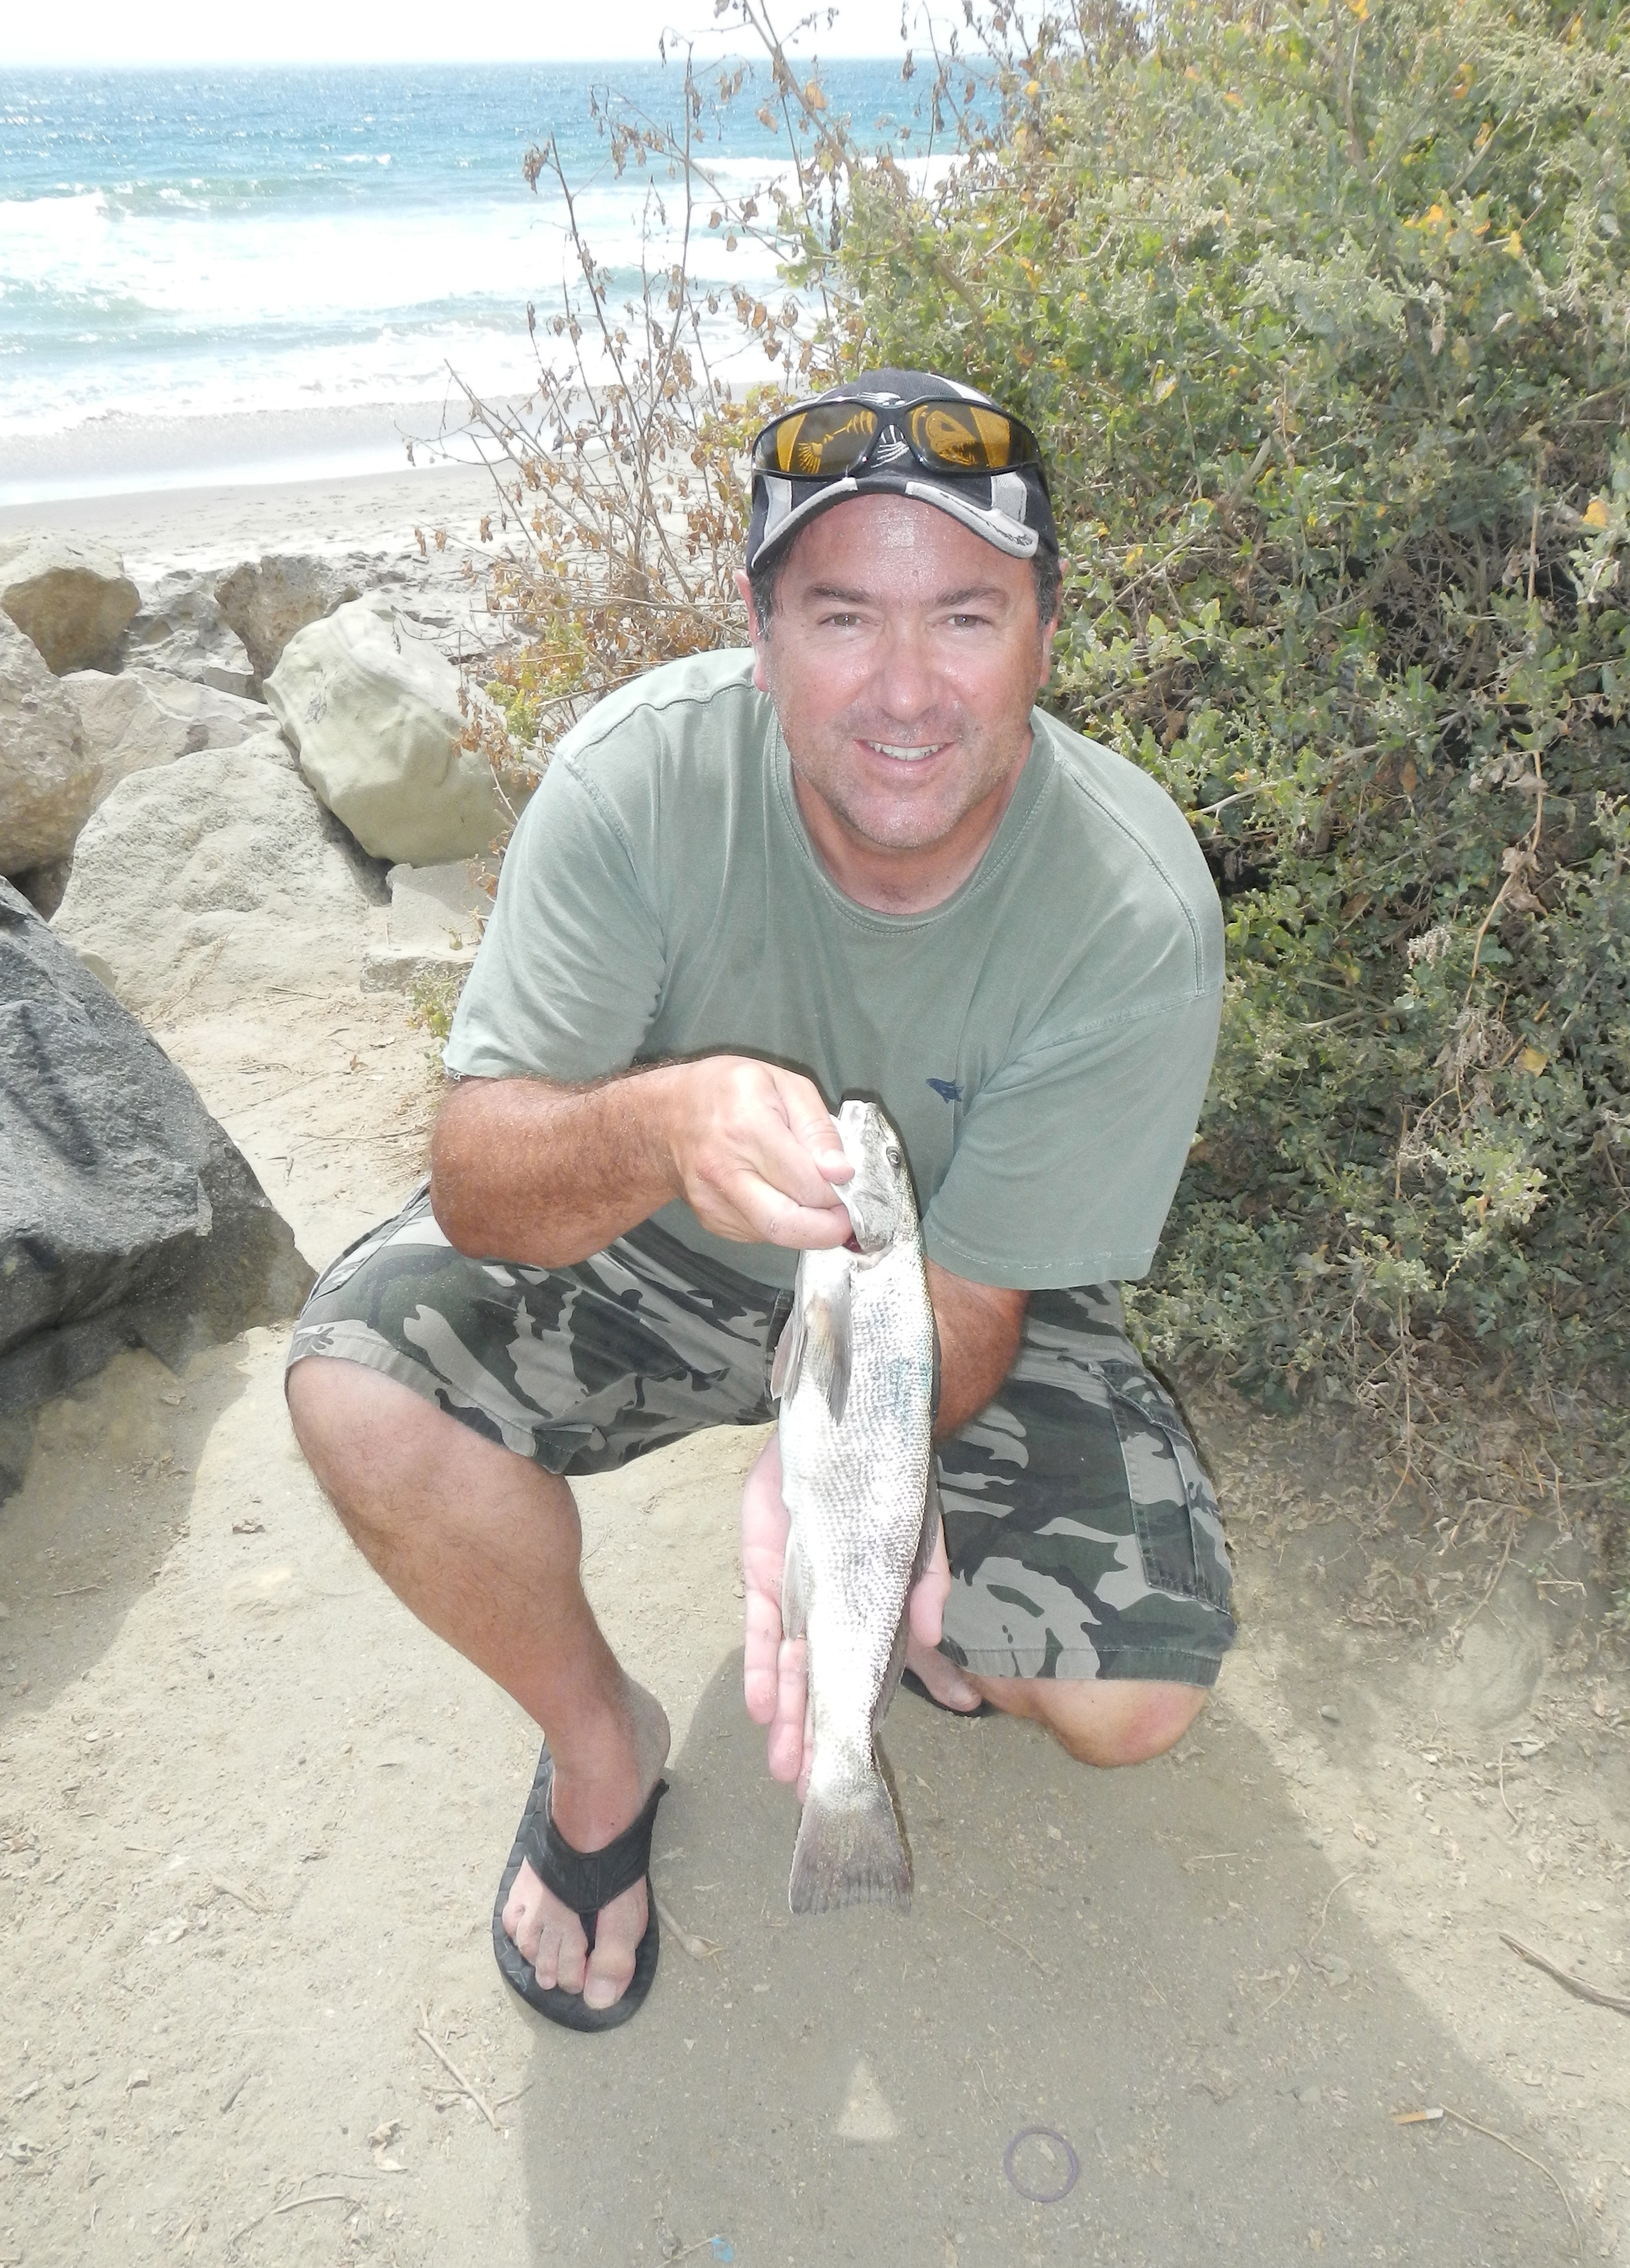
<point>1174,1512</point>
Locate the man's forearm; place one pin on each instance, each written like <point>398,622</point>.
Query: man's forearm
<point>979,1326</point>
<point>522,1169</point>
<point>543,1174</point>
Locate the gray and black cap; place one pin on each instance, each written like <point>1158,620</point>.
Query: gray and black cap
<point>1005,500</point>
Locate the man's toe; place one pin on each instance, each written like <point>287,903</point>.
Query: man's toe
<point>617,1934</point>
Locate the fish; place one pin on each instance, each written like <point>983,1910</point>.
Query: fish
<point>857,1374</point>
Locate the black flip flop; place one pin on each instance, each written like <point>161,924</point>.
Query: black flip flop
<point>585,1881</point>
<point>913,1683</point>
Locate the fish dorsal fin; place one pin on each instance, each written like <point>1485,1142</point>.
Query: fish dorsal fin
<point>827,1344</point>
<point>790,1349</point>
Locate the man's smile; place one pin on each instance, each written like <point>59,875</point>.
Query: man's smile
<point>903,753</point>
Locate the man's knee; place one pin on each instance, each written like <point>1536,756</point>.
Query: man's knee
<point>1117,1722</point>
<point>360,1432</point>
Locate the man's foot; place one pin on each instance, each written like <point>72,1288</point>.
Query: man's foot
<point>590,1814</point>
<point>950,1687</point>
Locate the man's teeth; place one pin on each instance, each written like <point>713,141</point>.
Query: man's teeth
<point>906,755</point>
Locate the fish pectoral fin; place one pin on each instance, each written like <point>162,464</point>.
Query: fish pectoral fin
<point>788,1349</point>
<point>827,1345</point>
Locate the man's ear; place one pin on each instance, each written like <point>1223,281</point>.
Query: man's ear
<point>756,631</point>
<point>1049,631</point>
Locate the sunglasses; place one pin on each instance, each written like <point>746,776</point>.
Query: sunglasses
<point>831,439</point>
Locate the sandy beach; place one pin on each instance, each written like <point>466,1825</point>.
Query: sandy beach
<point>205,523</point>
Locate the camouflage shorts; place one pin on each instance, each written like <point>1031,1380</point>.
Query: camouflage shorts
<point>1083,1535</point>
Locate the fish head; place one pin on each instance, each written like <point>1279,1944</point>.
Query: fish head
<point>880,1201</point>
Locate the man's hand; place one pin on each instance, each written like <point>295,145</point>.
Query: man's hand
<point>755,1153</point>
<point>548,1174</point>
<point>774,1673</point>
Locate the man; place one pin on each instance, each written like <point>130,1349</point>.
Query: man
<point>856,860</point>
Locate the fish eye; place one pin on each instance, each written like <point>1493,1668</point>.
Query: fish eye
<point>893,1156</point>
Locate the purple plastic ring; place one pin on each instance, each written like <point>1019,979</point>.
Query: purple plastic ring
<point>1042,2134</point>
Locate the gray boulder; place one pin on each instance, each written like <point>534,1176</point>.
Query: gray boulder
<point>374,712</point>
<point>181,630</point>
<point>265,604</point>
<point>433,927</point>
<point>48,776</point>
<point>126,1213</point>
<point>146,717</point>
<point>217,875</point>
<point>70,596</point>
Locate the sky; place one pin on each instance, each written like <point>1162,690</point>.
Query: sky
<point>98,33</point>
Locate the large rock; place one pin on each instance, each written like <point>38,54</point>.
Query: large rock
<point>433,927</point>
<point>145,717</point>
<point>181,630</point>
<point>374,714</point>
<point>216,874</point>
<point>265,604</point>
<point>48,777</point>
<point>126,1213</point>
<point>70,596</point>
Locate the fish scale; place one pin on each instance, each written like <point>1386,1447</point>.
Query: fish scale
<point>856,1375</point>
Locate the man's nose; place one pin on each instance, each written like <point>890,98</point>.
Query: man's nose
<point>905,680</point>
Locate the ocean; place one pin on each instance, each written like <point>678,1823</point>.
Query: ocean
<point>217,273</point>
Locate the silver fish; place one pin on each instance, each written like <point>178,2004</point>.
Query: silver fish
<point>854,1371</point>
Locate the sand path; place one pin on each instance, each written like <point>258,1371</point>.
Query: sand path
<point>252,1818</point>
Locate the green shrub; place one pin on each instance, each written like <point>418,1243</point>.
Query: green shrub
<point>1324,316</point>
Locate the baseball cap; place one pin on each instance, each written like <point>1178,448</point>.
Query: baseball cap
<point>901,433</point>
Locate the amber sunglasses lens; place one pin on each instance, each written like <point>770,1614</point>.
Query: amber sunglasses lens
<point>822,443</point>
<point>966,438</point>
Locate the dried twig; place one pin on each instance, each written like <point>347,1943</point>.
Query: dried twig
<point>1510,1815</point>
<point>1527,2157</point>
<point>256,1905</point>
<point>1323,1911</point>
<point>698,1947</point>
<point>1566,1978</point>
<point>290,2204</point>
<point>996,1929</point>
<point>441,2057</point>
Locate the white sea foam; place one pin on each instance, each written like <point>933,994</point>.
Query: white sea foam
<point>260,247</point>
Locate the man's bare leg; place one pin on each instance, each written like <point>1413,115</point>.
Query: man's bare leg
<point>483,1546</point>
<point>1100,1721</point>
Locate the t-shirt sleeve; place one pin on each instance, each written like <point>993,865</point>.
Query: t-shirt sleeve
<point>571,965</point>
<point>1067,1161</point>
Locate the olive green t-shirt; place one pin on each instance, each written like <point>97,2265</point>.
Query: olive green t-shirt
<point>1042,1040</point>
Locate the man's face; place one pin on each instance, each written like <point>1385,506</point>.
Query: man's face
<point>903,656</point>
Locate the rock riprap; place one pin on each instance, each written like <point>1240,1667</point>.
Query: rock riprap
<point>266,602</point>
<point>69,595</point>
<point>181,630</point>
<point>373,710</point>
<point>127,1215</point>
<point>48,776</point>
<point>215,876</point>
<point>148,716</point>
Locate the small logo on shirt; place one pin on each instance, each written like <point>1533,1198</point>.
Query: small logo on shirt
<point>948,1090</point>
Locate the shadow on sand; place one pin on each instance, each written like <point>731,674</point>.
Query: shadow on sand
<point>1133,1961</point>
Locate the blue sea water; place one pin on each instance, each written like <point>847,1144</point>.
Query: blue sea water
<point>241,244</point>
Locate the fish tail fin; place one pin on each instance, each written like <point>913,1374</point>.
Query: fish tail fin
<point>850,1853</point>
